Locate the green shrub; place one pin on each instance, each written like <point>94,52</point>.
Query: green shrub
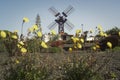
<point>116,48</point>
<point>25,68</point>
<point>81,70</point>
<point>33,45</point>
<point>9,44</point>
<point>2,46</point>
<point>54,50</point>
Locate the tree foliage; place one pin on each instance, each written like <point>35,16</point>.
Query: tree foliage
<point>113,31</point>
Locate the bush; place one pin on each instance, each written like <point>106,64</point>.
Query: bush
<point>33,45</point>
<point>25,68</point>
<point>116,48</point>
<point>2,46</point>
<point>81,70</point>
<point>53,67</point>
<point>9,44</point>
<point>54,50</point>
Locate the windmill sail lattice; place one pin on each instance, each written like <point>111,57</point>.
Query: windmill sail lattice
<point>61,21</point>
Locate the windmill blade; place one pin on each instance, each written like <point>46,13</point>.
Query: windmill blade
<point>69,25</point>
<point>54,11</point>
<point>52,25</point>
<point>68,11</point>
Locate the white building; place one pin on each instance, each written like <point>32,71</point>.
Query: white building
<point>90,38</point>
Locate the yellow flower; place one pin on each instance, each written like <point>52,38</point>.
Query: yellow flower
<point>99,27</point>
<point>78,31</point>
<point>35,27</point>
<point>101,34</point>
<point>17,61</point>
<point>3,34</point>
<point>19,46</point>
<point>25,19</point>
<point>23,50</point>
<point>109,44</point>
<point>15,31</point>
<point>79,45</point>
<point>39,34</point>
<point>30,29</point>
<point>43,44</point>
<point>70,49</point>
<point>105,35</point>
<point>91,31</point>
<point>94,48</point>
<point>53,32</point>
<point>14,37</point>
<point>75,39</point>
<point>119,33</point>
<point>82,40</point>
<point>75,46</point>
<point>97,46</point>
<point>21,43</point>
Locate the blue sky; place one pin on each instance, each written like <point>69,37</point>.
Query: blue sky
<point>90,13</point>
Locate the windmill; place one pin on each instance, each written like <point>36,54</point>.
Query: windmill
<point>61,20</point>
